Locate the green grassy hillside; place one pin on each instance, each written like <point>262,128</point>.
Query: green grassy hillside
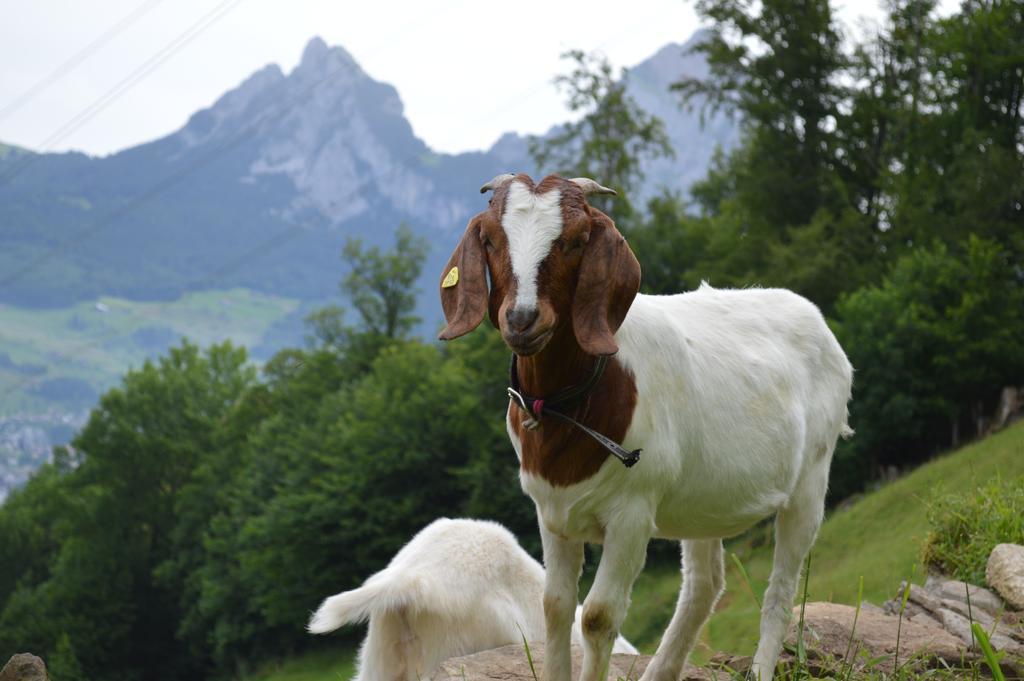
<point>90,345</point>
<point>339,665</point>
<point>879,538</point>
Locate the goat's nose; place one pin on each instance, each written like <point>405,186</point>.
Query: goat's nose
<point>520,319</point>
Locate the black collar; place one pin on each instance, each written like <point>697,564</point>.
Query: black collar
<point>538,407</point>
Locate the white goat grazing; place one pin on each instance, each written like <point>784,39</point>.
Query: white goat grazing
<point>736,397</point>
<point>458,587</point>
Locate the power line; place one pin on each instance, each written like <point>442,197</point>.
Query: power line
<point>124,85</point>
<point>75,60</point>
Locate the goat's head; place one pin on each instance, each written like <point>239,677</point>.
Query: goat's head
<point>553,260</point>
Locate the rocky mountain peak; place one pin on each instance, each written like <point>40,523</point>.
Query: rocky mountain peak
<point>318,53</point>
<point>674,62</point>
<point>320,60</point>
<point>234,107</point>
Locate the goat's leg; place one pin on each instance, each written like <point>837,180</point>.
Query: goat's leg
<point>795,529</point>
<point>703,583</point>
<point>622,559</point>
<point>563,560</point>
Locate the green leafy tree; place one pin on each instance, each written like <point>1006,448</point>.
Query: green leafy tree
<point>382,286</point>
<point>354,453</point>
<point>610,141</point>
<point>63,665</point>
<point>779,215</point>
<point>933,344</point>
<point>773,63</point>
<point>123,553</point>
<point>671,244</point>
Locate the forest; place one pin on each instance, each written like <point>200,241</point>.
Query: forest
<point>208,506</point>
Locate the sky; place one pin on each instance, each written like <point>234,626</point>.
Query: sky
<point>105,75</point>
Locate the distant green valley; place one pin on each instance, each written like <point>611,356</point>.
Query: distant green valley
<point>54,363</point>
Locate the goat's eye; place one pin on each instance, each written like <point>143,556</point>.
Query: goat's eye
<point>488,245</point>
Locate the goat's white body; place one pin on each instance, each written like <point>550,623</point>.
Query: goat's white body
<point>738,393</point>
<point>458,587</point>
<point>741,395</point>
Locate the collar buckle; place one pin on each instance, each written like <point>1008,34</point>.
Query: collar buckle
<point>530,423</point>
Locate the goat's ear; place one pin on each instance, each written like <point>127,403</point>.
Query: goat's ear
<point>464,285</point>
<point>609,279</point>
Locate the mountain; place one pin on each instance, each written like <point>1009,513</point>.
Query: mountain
<point>260,189</point>
<point>257,191</point>
<point>694,143</point>
<point>232,227</point>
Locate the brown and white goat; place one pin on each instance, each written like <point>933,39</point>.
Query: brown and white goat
<point>737,398</point>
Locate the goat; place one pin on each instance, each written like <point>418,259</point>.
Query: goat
<point>737,398</point>
<point>458,587</point>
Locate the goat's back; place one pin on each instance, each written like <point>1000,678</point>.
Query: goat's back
<point>740,393</point>
<point>459,586</point>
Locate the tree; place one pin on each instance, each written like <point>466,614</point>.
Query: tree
<point>126,544</point>
<point>933,344</point>
<point>610,141</point>
<point>773,63</point>
<point>778,213</point>
<point>671,244</point>
<point>382,287</point>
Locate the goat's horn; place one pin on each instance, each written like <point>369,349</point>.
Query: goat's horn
<point>590,187</point>
<point>497,182</point>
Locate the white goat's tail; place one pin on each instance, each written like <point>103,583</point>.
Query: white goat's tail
<point>378,595</point>
<point>846,432</point>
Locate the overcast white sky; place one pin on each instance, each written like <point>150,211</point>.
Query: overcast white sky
<point>466,71</point>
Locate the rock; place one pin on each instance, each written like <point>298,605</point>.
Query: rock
<point>919,602</point>
<point>1005,573</point>
<point>954,590</point>
<point>926,618</point>
<point>959,625</point>
<point>829,626</point>
<point>509,663</point>
<point>972,613</point>
<point>921,597</point>
<point>24,667</point>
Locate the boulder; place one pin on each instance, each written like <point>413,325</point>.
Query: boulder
<point>959,625</point>
<point>974,614</point>
<point>1005,573</point>
<point>925,618</point>
<point>922,598</point>
<point>955,590</point>
<point>24,667</point>
<point>829,626</point>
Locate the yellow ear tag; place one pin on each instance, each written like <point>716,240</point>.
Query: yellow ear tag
<point>451,279</point>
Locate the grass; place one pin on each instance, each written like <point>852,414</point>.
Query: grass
<point>967,526</point>
<point>878,538</point>
<point>333,665</point>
